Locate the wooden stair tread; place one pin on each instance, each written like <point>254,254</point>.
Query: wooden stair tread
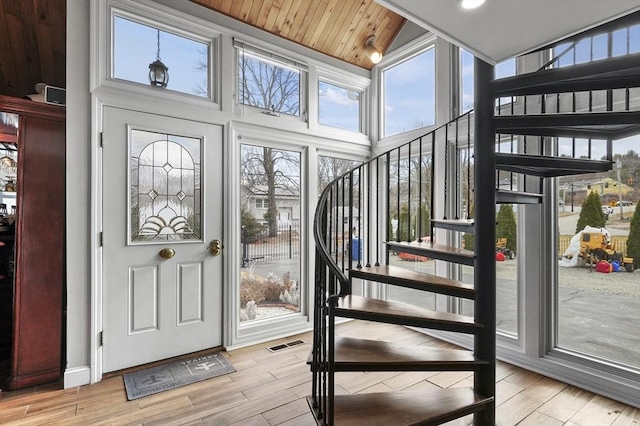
<point>547,166</point>
<point>416,280</point>
<point>462,225</point>
<point>517,197</point>
<point>353,354</point>
<point>433,250</point>
<point>621,72</point>
<point>392,312</point>
<point>587,125</point>
<point>429,407</point>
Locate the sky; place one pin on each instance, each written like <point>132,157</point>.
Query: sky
<point>409,87</point>
<point>409,94</point>
<point>136,47</point>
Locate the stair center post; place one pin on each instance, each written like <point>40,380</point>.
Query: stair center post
<point>484,234</point>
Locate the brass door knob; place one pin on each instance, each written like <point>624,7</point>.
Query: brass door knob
<point>215,248</point>
<point>167,253</point>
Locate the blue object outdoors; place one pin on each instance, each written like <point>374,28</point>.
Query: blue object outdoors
<point>615,266</point>
<point>356,250</point>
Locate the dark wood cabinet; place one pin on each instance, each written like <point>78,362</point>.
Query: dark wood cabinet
<point>36,352</point>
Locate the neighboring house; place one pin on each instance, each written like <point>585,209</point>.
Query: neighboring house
<point>287,201</point>
<point>610,188</point>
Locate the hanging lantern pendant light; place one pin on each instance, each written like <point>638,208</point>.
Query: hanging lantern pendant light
<point>158,72</point>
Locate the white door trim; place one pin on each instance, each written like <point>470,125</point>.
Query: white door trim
<point>109,97</point>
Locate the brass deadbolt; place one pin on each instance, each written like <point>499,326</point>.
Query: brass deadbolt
<point>215,247</point>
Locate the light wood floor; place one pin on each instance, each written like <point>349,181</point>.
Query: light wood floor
<point>269,388</point>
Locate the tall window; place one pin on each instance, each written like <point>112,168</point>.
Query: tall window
<point>187,59</point>
<point>270,237</point>
<point>268,84</point>
<point>503,69</point>
<point>329,169</point>
<point>601,46</point>
<point>597,315</point>
<point>507,258</point>
<point>338,106</point>
<point>410,215</point>
<point>409,94</point>
<point>466,81</point>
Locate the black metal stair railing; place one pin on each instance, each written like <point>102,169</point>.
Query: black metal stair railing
<point>399,195</point>
<point>390,197</point>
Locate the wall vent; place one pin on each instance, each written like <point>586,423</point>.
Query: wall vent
<point>285,345</point>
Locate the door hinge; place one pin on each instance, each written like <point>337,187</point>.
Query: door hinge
<point>101,140</point>
<point>101,239</point>
<point>101,338</point>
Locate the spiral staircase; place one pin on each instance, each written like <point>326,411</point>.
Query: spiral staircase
<point>543,107</point>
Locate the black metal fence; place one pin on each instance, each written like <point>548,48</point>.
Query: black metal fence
<point>284,245</point>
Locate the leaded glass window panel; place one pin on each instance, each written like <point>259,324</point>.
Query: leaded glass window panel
<point>165,187</point>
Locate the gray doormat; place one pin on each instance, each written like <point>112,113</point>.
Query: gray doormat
<point>175,374</point>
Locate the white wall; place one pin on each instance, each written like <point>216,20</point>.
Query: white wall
<point>83,192</point>
<point>78,195</point>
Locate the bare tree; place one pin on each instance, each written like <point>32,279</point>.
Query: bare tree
<point>269,171</point>
<point>265,85</point>
<point>201,87</point>
<point>329,168</point>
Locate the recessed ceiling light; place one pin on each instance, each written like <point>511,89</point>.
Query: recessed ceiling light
<point>471,4</point>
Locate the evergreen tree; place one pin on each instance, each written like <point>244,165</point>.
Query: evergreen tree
<point>633,242</point>
<point>425,221</point>
<point>251,228</point>
<point>467,240</point>
<point>506,227</point>
<point>404,224</point>
<point>591,213</point>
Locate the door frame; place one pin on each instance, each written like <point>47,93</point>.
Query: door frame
<point>194,110</point>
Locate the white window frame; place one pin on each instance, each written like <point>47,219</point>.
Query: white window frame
<point>348,82</point>
<point>421,45</point>
<point>262,202</point>
<point>166,20</point>
<point>269,56</point>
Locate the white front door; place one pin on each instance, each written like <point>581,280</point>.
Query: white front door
<point>162,222</point>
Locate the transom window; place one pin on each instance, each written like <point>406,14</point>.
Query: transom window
<point>338,106</point>
<point>136,46</point>
<point>268,83</point>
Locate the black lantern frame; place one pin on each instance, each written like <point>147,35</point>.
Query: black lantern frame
<point>158,72</point>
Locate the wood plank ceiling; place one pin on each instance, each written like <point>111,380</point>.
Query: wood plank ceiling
<point>32,45</point>
<point>33,33</point>
<point>337,28</point>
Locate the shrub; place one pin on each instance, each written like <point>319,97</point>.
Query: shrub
<point>272,291</point>
<point>251,228</point>
<point>269,290</point>
<point>591,213</point>
<point>251,289</point>
<point>633,242</point>
<point>506,227</point>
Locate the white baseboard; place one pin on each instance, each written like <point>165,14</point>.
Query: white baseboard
<point>77,376</point>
